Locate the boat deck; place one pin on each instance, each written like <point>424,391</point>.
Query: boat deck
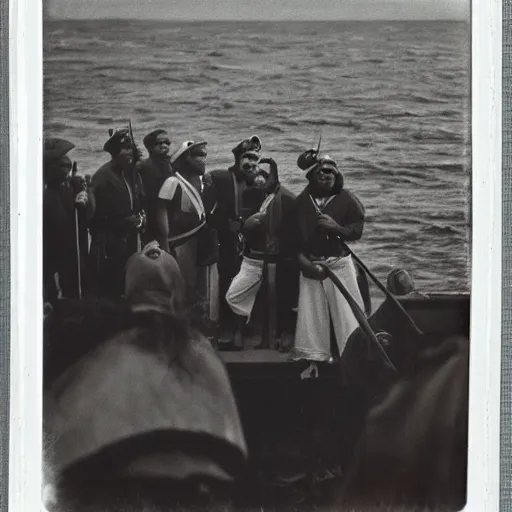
<point>251,355</point>
<point>437,314</point>
<point>252,363</point>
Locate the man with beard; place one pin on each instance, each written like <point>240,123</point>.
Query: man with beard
<point>119,217</point>
<point>268,275</point>
<point>66,209</point>
<point>237,201</point>
<point>186,202</point>
<point>154,171</point>
<point>328,216</point>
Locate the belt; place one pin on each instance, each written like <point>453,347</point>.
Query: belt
<point>260,256</point>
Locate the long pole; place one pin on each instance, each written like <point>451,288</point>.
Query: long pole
<point>78,254</point>
<point>358,313</point>
<point>134,177</point>
<point>381,287</point>
<point>388,294</point>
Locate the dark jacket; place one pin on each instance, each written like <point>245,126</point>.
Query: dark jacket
<point>229,256</point>
<point>153,173</point>
<point>60,240</point>
<point>313,240</point>
<point>225,191</point>
<point>118,195</point>
<point>273,234</point>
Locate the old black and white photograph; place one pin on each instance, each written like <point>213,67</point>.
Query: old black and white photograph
<point>256,255</point>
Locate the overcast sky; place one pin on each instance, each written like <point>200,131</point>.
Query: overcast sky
<point>258,9</point>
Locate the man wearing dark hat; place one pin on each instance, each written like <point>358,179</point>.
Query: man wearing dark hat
<point>186,203</point>
<point>328,216</point>
<point>66,208</point>
<point>154,170</point>
<point>237,200</point>
<point>119,217</point>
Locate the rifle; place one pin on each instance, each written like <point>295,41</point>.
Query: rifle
<point>136,157</point>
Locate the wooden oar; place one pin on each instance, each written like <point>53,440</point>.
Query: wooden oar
<point>358,312</point>
<point>388,294</point>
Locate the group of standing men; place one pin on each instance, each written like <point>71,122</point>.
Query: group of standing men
<point>238,235</point>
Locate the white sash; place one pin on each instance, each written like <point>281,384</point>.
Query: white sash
<point>193,194</point>
<point>197,203</point>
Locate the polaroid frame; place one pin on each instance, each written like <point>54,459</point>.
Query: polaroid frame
<point>26,114</point>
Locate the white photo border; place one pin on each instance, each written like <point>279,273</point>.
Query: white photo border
<point>26,132</point>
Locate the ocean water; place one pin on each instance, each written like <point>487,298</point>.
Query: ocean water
<point>391,100</point>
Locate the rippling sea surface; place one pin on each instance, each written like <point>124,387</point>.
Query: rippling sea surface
<point>391,100</point>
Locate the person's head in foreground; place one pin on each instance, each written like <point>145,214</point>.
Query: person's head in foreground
<point>147,418</point>
<point>157,143</point>
<point>190,158</point>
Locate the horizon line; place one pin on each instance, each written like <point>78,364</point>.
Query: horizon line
<point>280,20</point>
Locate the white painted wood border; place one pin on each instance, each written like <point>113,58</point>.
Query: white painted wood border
<point>25,130</point>
<point>485,369</point>
<point>25,33</point>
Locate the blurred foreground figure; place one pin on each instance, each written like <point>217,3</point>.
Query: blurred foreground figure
<point>413,451</point>
<point>412,434</point>
<point>147,417</point>
<point>66,209</point>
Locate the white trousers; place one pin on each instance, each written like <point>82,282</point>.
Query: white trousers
<point>242,292</point>
<point>319,303</point>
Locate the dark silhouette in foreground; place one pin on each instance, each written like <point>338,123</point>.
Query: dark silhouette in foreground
<point>370,439</point>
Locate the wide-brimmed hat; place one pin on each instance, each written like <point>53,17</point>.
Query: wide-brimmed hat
<point>118,140</point>
<point>253,143</point>
<point>186,147</point>
<point>54,149</point>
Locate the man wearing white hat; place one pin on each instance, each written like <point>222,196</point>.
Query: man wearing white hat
<point>186,201</point>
